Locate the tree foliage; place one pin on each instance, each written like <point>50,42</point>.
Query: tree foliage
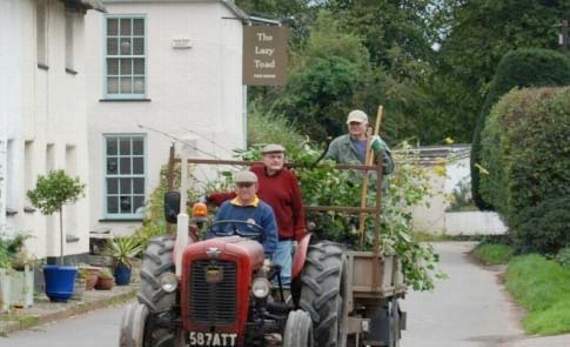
<point>54,190</point>
<point>521,68</point>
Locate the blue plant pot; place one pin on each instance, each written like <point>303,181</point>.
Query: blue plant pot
<point>60,281</point>
<point>122,275</point>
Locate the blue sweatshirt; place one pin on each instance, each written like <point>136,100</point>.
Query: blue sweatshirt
<point>258,212</point>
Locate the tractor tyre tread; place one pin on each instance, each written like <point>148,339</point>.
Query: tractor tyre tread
<point>157,260</point>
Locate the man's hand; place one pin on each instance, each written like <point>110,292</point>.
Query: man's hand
<point>377,144</point>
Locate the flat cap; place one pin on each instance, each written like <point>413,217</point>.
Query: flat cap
<point>357,116</point>
<point>245,177</point>
<point>273,148</point>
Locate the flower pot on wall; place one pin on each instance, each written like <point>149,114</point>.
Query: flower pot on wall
<point>91,275</point>
<point>105,283</point>
<point>122,275</point>
<point>60,281</point>
<point>22,287</point>
<point>79,290</point>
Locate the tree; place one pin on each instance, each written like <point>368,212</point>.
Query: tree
<point>52,192</point>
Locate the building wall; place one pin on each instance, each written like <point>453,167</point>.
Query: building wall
<point>46,116</point>
<point>195,94</point>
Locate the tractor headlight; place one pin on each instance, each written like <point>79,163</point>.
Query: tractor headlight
<point>261,287</point>
<point>168,282</point>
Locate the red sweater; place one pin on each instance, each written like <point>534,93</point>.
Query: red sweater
<point>281,192</point>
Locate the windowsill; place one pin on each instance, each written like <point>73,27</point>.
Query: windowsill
<point>11,212</point>
<point>70,71</point>
<point>28,209</point>
<point>71,239</point>
<point>125,100</point>
<point>43,66</point>
<point>119,220</point>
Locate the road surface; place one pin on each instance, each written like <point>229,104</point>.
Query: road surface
<point>469,309</point>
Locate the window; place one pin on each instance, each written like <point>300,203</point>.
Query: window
<point>125,57</point>
<point>41,32</point>
<point>124,176</point>
<point>69,18</point>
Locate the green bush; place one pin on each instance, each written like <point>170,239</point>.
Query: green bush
<point>520,68</point>
<point>527,157</point>
<point>544,228</point>
<point>493,253</point>
<point>563,256</point>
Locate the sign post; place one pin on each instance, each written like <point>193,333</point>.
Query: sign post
<point>265,55</point>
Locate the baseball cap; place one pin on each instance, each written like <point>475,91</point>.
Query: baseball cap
<point>357,116</point>
<point>273,148</point>
<point>245,177</point>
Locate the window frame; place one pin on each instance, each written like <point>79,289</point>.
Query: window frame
<point>124,96</point>
<point>124,216</point>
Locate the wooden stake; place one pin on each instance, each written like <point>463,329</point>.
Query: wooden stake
<point>368,161</point>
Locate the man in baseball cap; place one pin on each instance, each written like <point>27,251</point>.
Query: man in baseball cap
<point>351,148</point>
<point>247,207</point>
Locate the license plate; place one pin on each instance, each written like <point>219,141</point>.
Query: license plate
<point>199,339</point>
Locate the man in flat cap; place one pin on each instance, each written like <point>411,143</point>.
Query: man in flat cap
<point>351,148</point>
<point>279,187</point>
<point>247,207</point>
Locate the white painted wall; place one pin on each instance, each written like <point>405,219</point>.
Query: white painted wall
<point>434,218</point>
<point>41,108</point>
<point>195,93</point>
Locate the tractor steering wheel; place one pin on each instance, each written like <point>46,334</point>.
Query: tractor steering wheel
<point>256,234</point>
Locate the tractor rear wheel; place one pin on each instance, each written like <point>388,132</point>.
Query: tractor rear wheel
<point>298,330</point>
<point>322,292</point>
<point>158,260</point>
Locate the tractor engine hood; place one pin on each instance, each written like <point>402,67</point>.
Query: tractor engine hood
<point>215,285</point>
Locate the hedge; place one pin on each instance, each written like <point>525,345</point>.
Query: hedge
<point>526,151</point>
<point>520,68</point>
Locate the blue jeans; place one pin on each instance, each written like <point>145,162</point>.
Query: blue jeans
<point>284,257</point>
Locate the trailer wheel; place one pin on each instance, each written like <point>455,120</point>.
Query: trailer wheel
<point>298,330</point>
<point>158,259</point>
<point>322,292</point>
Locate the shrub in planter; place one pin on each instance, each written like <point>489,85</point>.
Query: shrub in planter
<point>49,195</point>
<point>526,153</point>
<point>91,275</point>
<point>123,250</point>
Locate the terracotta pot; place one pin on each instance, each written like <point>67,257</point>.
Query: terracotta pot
<point>105,283</point>
<point>91,277</point>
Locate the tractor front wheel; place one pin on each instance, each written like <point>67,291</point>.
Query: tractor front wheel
<point>298,330</point>
<point>133,326</point>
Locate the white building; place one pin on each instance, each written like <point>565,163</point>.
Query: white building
<point>438,216</point>
<point>171,66</point>
<point>43,123</point>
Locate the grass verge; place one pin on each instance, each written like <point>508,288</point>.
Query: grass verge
<point>493,253</point>
<point>543,288</point>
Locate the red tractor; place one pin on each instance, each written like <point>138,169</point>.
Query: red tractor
<point>218,292</point>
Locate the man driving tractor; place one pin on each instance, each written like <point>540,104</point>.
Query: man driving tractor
<point>247,207</point>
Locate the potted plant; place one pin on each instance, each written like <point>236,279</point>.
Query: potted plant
<point>22,278</point>
<point>49,195</point>
<point>123,250</point>
<point>91,275</point>
<point>106,280</point>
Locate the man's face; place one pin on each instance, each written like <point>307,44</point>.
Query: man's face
<point>357,129</point>
<point>246,191</point>
<point>274,161</point>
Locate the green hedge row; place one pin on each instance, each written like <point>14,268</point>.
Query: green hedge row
<point>520,68</point>
<point>526,151</point>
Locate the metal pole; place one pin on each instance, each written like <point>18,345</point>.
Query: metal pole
<point>183,220</point>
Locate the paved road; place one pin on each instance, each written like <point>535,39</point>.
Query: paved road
<point>469,309</point>
<point>96,329</point>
